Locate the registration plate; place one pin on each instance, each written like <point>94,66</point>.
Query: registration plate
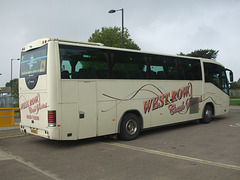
<point>34,131</point>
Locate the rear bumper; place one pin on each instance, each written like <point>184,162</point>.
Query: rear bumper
<point>49,133</point>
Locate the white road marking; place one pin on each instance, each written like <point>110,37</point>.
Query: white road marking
<point>5,156</point>
<point>176,156</point>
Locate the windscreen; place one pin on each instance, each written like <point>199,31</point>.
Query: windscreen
<point>34,62</point>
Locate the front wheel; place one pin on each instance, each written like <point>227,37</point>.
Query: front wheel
<point>130,127</point>
<point>207,114</point>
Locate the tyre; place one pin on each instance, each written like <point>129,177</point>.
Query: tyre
<point>130,127</point>
<point>207,114</point>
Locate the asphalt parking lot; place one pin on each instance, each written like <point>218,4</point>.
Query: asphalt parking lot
<point>186,151</point>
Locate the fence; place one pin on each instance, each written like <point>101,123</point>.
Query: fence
<point>9,118</point>
<point>6,101</point>
<point>235,93</point>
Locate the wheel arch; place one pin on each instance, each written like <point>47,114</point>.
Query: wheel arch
<point>211,105</point>
<point>133,111</point>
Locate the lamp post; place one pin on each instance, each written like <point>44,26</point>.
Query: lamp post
<point>11,73</point>
<point>113,11</point>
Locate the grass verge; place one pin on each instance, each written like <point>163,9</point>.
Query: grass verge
<point>235,102</point>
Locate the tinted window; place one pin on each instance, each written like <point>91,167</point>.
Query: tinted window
<point>92,63</point>
<point>84,63</point>
<point>216,75</point>
<point>127,65</point>
<point>190,69</point>
<point>212,74</point>
<point>164,67</point>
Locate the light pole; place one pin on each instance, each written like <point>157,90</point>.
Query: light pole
<point>11,73</point>
<point>113,11</point>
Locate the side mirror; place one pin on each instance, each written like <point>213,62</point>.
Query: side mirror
<point>231,76</point>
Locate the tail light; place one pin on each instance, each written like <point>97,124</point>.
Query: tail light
<point>52,118</point>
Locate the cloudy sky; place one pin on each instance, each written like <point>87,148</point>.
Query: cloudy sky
<point>171,26</point>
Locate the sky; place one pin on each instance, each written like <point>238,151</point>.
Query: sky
<point>160,26</point>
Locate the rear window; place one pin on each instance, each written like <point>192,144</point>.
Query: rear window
<point>34,62</point>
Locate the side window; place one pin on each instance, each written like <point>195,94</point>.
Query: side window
<point>150,69</point>
<point>163,67</point>
<point>66,69</point>
<point>170,68</point>
<point>93,64</point>
<point>127,65</point>
<point>190,69</point>
<point>225,86</point>
<point>216,74</point>
<point>157,72</point>
<point>212,74</point>
<point>84,63</point>
<point>78,66</point>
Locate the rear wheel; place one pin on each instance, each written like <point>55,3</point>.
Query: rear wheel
<point>130,127</point>
<point>207,114</point>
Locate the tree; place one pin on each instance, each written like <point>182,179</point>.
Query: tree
<point>14,90</point>
<point>235,85</point>
<point>203,53</point>
<point>112,36</point>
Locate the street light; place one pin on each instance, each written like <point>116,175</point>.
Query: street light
<point>113,11</point>
<point>11,73</point>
